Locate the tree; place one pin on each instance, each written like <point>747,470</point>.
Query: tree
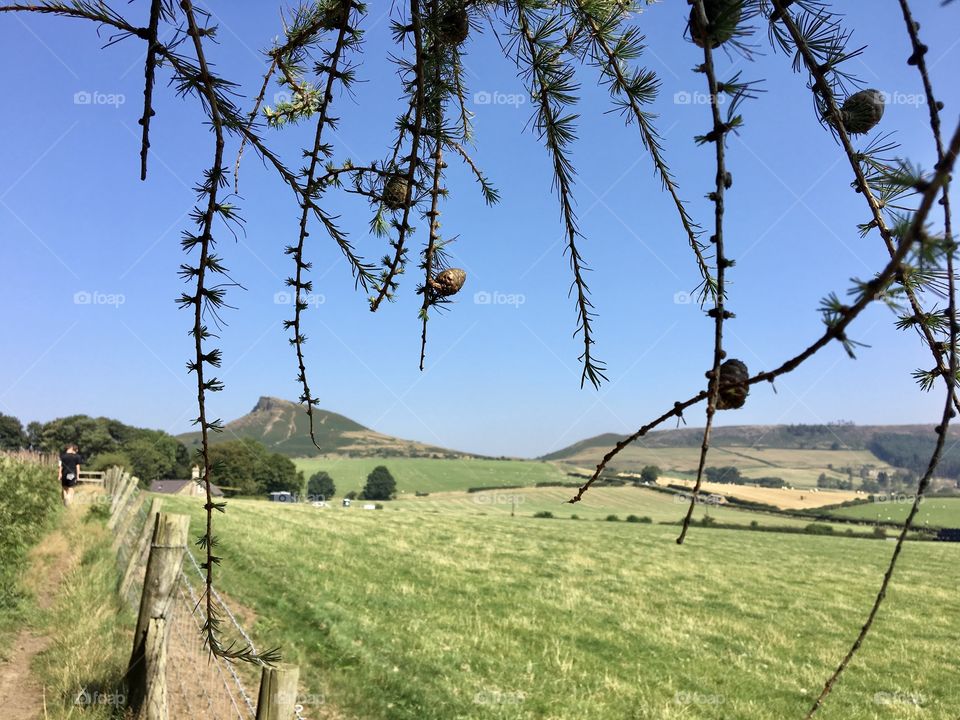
<point>727,474</point>
<point>278,473</point>
<point>380,485</point>
<point>649,474</point>
<point>235,464</point>
<point>248,468</point>
<point>12,436</point>
<point>321,486</point>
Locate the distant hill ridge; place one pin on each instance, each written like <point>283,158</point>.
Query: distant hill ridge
<point>801,437</point>
<point>283,426</point>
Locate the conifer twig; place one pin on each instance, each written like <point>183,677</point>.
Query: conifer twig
<point>551,85</point>
<point>331,69</point>
<point>719,312</point>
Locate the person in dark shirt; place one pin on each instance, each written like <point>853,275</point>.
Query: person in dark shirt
<point>69,471</point>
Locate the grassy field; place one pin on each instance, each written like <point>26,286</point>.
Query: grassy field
<point>936,512</point>
<point>406,614</point>
<point>597,504</point>
<point>800,468</point>
<point>433,475</point>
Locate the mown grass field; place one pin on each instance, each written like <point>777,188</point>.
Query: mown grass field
<point>936,512</point>
<point>596,504</point>
<point>433,475</point>
<point>406,614</point>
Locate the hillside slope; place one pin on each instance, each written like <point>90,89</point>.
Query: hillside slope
<point>283,427</point>
<point>795,437</point>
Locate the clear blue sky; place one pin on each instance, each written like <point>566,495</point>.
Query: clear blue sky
<point>501,378</point>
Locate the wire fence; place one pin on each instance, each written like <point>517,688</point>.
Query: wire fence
<point>199,685</point>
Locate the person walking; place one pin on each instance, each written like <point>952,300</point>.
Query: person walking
<point>69,472</point>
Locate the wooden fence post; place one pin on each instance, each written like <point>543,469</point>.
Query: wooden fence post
<point>278,692</point>
<point>155,662</point>
<point>108,481</point>
<point>118,512</point>
<point>118,488</point>
<point>123,527</point>
<point>160,582</point>
<point>141,547</point>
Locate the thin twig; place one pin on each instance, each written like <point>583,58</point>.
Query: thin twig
<point>149,72</point>
<point>299,284</point>
<point>550,81</point>
<point>397,263</point>
<point>720,314</point>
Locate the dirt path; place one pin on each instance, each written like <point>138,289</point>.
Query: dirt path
<point>21,694</point>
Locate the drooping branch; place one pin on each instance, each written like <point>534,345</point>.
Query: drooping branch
<point>300,285</point>
<point>631,90</point>
<point>551,85</point>
<point>209,263</point>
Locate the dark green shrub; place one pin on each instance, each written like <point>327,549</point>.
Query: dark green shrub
<point>543,514</point>
<point>612,518</point>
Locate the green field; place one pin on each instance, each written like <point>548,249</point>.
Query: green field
<point>596,504</point>
<point>407,614</point>
<point>433,475</point>
<point>934,511</point>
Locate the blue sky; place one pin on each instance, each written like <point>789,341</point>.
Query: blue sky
<point>502,376</point>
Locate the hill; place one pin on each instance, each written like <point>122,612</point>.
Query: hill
<point>796,453</point>
<point>283,427</point>
<point>838,436</point>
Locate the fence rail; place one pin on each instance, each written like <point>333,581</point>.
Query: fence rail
<point>183,679</point>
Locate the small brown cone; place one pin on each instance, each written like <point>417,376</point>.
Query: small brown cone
<point>336,14</point>
<point>733,385</point>
<point>448,282</point>
<point>454,25</point>
<point>862,111</point>
<point>395,192</point>
<point>723,16</point>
